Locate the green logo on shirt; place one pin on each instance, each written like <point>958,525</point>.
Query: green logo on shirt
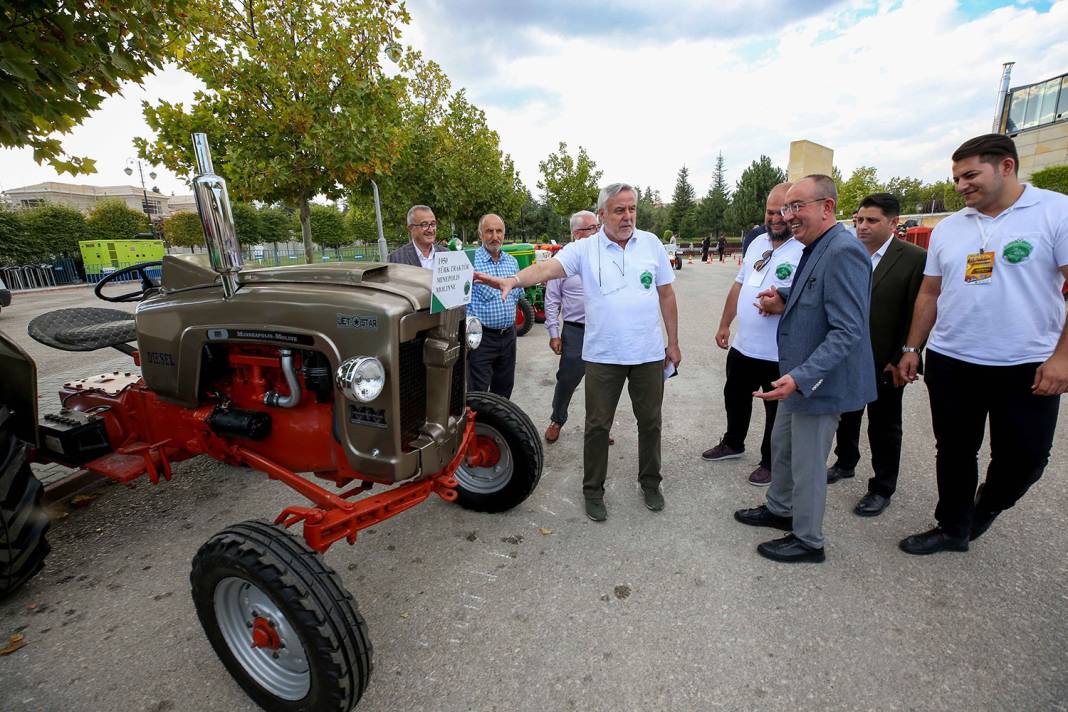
<point>784,271</point>
<point>647,279</point>
<point>1017,251</point>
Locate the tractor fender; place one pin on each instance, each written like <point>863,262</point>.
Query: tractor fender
<point>18,389</point>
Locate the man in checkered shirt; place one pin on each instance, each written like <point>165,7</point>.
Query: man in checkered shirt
<point>491,367</point>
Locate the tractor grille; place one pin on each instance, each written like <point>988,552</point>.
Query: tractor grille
<point>412,381</point>
<point>456,396</point>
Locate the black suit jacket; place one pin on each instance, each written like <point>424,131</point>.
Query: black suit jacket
<point>895,284</point>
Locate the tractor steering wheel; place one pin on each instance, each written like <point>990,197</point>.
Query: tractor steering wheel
<point>147,282</point>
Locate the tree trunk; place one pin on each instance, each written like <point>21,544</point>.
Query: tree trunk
<point>305,229</point>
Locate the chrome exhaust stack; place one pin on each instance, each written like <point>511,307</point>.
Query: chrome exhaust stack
<point>216,217</point>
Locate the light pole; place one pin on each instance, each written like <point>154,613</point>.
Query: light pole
<point>140,171</point>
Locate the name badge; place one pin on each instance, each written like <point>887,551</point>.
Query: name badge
<point>979,268</point>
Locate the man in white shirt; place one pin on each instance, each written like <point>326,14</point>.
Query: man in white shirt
<point>423,228</point>
<point>991,302</point>
<point>753,358</point>
<point>626,281</point>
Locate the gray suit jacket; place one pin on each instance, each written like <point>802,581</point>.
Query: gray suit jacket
<point>407,254</point>
<point>823,333</point>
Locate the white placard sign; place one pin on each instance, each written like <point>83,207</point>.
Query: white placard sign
<point>450,283</point>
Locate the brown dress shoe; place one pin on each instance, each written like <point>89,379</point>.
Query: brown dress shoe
<point>552,433</point>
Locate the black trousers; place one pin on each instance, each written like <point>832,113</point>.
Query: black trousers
<point>884,436</point>
<point>572,369</point>
<point>491,367</point>
<point>745,375</point>
<point>1022,424</point>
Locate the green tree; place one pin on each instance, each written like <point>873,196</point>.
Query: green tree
<point>112,219</point>
<point>751,193</point>
<point>276,225</point>
<point>19,246</point>
<point>57,229</point>
<point>328,226</point>
<point>941,196</point>
<point>59,59</point>
<point>712,212</point>
<point>183,230</point>
<point>1052,178</point>
<point>247,224</point>
<point>862,182</point>
<point>568,184</point>
<point>908,192</point>
<point>360,223</point>
<point>296,102</point>
<point>683,207</point>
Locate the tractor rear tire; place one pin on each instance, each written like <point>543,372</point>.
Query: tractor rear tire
<point>23,521</point>
<point>318,655</point>
<point>524,316</point>
<point>514,476</point>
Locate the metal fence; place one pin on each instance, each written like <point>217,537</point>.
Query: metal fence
<point>95,274</point>
<point>63,270</point>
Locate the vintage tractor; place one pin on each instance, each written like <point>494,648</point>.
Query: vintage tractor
<point>333,379</point>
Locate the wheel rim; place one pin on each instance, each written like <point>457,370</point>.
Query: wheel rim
<point>493,478</point>
<point>283,671</point>
<point>520,317</point>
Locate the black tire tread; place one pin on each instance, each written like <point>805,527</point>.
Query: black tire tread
<point>529,442</point>
<point>528,316</point>
<point>23,520</point>
<point>313,596</point>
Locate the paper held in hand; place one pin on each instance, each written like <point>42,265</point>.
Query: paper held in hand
<point>450,281</point>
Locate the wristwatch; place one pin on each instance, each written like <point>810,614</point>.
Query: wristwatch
<point>909,350</point>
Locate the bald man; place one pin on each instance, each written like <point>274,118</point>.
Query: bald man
<point>753,357</point>
<point>491,367</point>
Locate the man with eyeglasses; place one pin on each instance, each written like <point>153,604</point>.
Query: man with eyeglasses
<point>564,302</point>
<point>753,358</point>
<point>626,279</point>
<point>491,367</point>
<point>825,362</point>
<point>424,231</point>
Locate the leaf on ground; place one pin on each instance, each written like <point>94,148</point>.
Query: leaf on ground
<point>82,500</point>
<point>545,531</point>
<point>15,642</point>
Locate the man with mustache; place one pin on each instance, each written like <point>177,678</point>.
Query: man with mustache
<point>753,358</point>
<point>826,365</point>
<point>626,285</point>
<point>991,302</point>
<point>491,367</point>
<point>423,228</point>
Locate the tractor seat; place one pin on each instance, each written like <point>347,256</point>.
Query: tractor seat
<point>84,329</point>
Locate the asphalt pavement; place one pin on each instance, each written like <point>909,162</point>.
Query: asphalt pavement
<point>541,609</point>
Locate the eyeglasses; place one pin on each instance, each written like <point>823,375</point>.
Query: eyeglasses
<point>764,259</point>
<point>591,228</point>
<point>424,226</point>
<point>795,207</point>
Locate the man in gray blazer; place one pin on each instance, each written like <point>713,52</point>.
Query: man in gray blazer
<point>826,368</point>
<point>423,228</point>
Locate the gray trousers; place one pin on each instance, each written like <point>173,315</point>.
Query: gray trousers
<point>799,447</point>
<point>572,369</point>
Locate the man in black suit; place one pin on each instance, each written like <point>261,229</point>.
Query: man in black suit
<point>897,273</point>
<point>423,228</point>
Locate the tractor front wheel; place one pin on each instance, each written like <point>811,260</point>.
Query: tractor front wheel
<point>524,316</point>
<point>280,620</point>
<point>503,464</point>
<point>23,521</point>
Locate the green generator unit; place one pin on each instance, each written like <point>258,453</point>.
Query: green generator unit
<point>531,306</point>
<point>102,257</point>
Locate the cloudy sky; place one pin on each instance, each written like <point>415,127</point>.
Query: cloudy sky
<point>649,86</point>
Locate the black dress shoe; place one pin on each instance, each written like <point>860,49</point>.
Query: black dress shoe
<point>835,473</point>
<point>932,542</point>
<point>981,521</point>
<point>871,505</point>
<point>762,517</point>
<point>791,550</point>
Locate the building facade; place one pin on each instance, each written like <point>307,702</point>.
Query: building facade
<point>1036,117</point>
<point>85,197</point>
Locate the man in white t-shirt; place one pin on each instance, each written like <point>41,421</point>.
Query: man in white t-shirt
<point>626,286</point>
<point>991,302</point>
<point>753,358</point>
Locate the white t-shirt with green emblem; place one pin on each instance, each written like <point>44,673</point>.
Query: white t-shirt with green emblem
<point>757,335</point>
<point>1017,316</point>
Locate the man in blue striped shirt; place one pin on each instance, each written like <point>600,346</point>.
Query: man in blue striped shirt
<point>491,367</point>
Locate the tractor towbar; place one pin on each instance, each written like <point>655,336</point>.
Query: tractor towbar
<point>213,204</point>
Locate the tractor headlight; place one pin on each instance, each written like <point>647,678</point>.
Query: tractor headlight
<point>362,378</point>
<point>474,332</point>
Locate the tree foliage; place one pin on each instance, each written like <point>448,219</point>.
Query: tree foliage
<point>59,59</point>
<point>683,220</point>
<point>296,102</point>
<point>57,229</point>
<point>276,225</point>
<point>569,184</point>
<point>19,246</point>
<point>183,230</point>
<point>328,226</point>
<point>862,182</point>
<point>1052,178</point>
<point>751,193</point>
<point>712,212</point>
<point>113,220</point>
<point>247,224</point>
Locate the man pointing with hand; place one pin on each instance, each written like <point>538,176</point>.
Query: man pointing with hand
<point>626,281</point>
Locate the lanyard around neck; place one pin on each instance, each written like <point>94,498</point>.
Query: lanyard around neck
<point>984,235</point>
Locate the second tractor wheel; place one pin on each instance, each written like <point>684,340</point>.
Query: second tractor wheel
<point>280,620</point>
<point>23,521</point>
<point>524,316</point>
<point>503,464</point>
